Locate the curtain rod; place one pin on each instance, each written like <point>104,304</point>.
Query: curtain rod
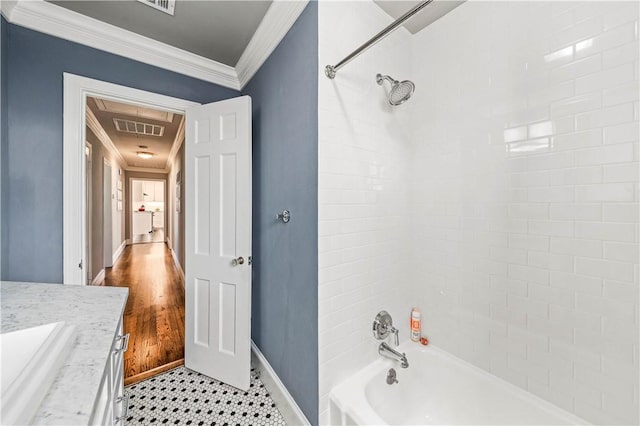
<point>331,70</point>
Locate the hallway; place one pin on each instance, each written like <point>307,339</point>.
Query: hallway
<point>154,314</point>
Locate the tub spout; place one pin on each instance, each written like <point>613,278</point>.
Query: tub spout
<point>388,352</point>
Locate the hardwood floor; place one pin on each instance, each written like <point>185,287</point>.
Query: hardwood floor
<point>157,236</point>
<point>154,314</point>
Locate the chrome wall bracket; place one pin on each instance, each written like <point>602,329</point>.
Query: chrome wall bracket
<point>285,216</point>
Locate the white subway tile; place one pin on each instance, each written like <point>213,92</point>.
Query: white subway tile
<point>609,116</point>
<point>623,252</point>
<point>604,79</point>
<point>553,262</point>
<point>552,228</point>
<point>578,283</point>
<point>578,104</point>
<point>604,269</point>
<point>626,172</point>
<point>555,194</point>
<point>576,247</point>
<point>621,212</point>
<point>578,175</point>
<point>605,192</point>
<point>529,306</point>
<point>581,211</point>
<point>622,93</point>
<point>574,318</point>
<point>606,231</point>
<point>621,291</point>
<point>607,40</point>
<point>620,55</point>
<point>627,132</point>
<point>578,140</point>
<point>550,294</point>
<point>576,69</point>
<point>627,12</point>
<point>604,155</point>
<point>608,308</point>
<point>532,242</point>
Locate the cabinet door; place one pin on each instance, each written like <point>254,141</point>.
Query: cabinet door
<point>148,188</point>
<point>159,191</point>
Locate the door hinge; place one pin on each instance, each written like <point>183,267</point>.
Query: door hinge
<point>80,265</point>
<point>250,260</point>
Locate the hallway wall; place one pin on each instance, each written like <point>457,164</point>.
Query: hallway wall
<point>99,155</point>
<point>175,218</point>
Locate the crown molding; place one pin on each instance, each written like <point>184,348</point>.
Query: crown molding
<point>177,143</point>
<point>57,21</point>
<point>278,20</point>
<point>96,128</point>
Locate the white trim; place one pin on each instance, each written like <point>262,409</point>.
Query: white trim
<point>177,143</point>
<point>57,21</point>
<point>278,20</point>
<point>99,278</point>
<point>287,406</point>
<point>76,90</point>
<point>119,251</point>
<point>146,170</point>
<point>98,130</point>
<point>177,263</point>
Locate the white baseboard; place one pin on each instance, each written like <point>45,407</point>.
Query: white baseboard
<point>128,241</point>
<point>118,252</point>
<point>99,278</point>
<point>177,263</point>
<point>287,406</point>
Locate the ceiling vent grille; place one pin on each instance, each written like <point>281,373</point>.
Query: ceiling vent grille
<point>138,127</point>
<point>167,6</point>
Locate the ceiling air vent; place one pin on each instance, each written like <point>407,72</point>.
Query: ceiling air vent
<point>167,6</point>
<point>138,127</point>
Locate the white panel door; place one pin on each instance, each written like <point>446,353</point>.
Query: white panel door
<point>218,240</point>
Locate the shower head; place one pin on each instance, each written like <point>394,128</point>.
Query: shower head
<point>400,90</point>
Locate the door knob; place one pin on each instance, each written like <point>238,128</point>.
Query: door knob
<point>238,261</point>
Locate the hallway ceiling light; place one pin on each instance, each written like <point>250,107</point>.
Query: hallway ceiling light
<point>145,154</point>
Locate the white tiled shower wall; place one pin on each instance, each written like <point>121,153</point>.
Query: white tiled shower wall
<point>502,198</point>
<point>524,197</point>
<point>362,190</point>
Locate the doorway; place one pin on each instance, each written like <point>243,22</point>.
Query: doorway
<point>218,152</point>
<point>148,210</point>
<point>137,142</point>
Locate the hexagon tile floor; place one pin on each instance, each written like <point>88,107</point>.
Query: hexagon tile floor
<point>184,397</point>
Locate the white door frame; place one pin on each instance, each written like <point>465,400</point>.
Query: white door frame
<point>107,215</point>
<point>76,90</point>
<point>88,191</point>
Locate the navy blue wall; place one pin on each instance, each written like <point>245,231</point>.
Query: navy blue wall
<point>285,160</point>
<point>32,179</point>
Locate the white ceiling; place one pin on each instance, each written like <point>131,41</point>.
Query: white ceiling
<point>431,13</point>
<point>128,144</point>
<point>218,30</point>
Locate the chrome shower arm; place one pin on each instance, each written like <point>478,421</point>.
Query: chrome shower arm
<point>331,70</point>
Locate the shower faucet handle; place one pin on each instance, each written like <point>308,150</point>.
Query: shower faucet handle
<point>395,331</point>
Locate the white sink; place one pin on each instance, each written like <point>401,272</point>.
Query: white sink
<point>30,360</point>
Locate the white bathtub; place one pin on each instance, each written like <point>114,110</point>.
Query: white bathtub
<point>437,388</point>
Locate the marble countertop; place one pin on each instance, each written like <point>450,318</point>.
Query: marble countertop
<point>96,312</point>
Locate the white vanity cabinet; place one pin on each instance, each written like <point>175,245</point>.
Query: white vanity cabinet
<point>88,388</point>
<point>111,404</point>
